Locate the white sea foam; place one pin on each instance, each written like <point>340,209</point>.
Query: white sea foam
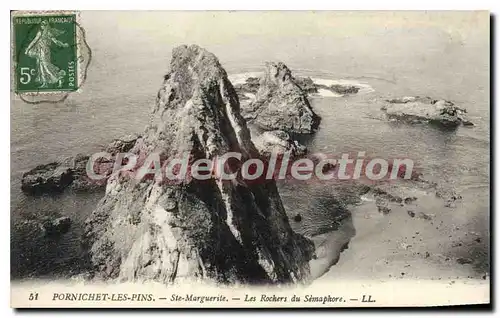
<point>242,77</point>
<point>250,95</point>
<point>327,93</point>
<point>364,88</point>
<point>365,198</point>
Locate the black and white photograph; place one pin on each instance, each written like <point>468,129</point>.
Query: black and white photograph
<point>241,159</point>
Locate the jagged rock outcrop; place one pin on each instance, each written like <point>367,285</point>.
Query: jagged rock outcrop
<point>122,144</point>
<point>47,178</point>
<point>71,172</point>
<point>341,89</point>
<point>56,226</point>
<point>247,91</point>
<point>281,104</point>
<point>307,84</point>
<point>214,230</point>
<point>45,226</point>
<point>250,87</point>
<point>278,142</point>
<point>415,109</point>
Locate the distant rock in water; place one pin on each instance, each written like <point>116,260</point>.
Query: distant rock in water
<point>212,230</point>
<point>246,91</point>
<point>57,226</point>
<point>426,110</point>
<point>307,85</point>
<point>281,104</point>
<point>342,89</point>
<point>71,172</point>
<point>47,178</point>
<point>279,142</point>
<point>45,226</point>
<point>251,86</point>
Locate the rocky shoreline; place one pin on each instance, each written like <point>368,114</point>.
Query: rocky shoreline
<point>70,173</point>
<point>214,231</point>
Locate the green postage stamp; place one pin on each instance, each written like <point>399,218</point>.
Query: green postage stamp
<point>47,53</point>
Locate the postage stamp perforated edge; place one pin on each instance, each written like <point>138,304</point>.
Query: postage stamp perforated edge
<point>81,61</point>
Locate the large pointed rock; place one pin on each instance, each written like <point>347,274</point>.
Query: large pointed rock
<point>212,230</point>
<point>281,104</point>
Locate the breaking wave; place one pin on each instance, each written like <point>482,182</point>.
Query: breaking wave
<point>364,88</point>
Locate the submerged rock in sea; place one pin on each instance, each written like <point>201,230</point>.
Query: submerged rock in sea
<point>195,229</point>
<point>281,104</point>
<point>342,89</point>
<point>464,260</point>
<point>57,226</point>
<point>46,226</point>
<point>410,200</point>
<point>47,178</point>
<point>71,172</point>
<point>425,110</point>
<point>278,142</point>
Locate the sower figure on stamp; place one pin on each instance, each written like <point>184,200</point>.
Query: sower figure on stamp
<point>39,48</point>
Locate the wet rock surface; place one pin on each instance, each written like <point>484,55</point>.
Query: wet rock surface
<point>251,86</point>
<point>278,142</point>
<point>122,144</point>
<point>306,84</point>
<point>57,226</point>
<point>46,226</point>
<point>341,89</point>
<point>415,109</point>
<point>388,196</point>
<point>464,260</point>
<point>71,172</point>
<point>47,178</point>
<point>280,103</point>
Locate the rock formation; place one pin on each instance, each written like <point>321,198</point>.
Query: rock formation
<point>251,86</point>
<point>306,84</point>
<point>415,109</point>
<point>199,229</point>
<point>279,142</point>
<point>57,226</point>
<point>47,178</point>
<point>341,89</point>
<point>71,172</point>
<point>281,104</point>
